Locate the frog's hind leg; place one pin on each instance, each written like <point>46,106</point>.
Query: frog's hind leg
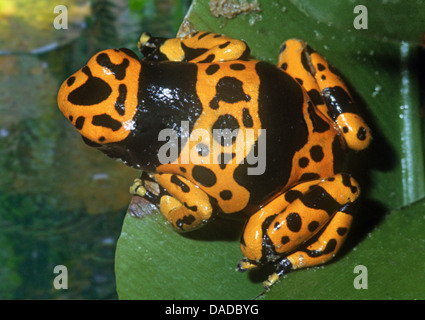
<point>185,206</point>
<point>321,250</point>
<point>279,231</point>
<point>326,90</point>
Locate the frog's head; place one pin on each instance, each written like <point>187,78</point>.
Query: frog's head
<point>100,99</point>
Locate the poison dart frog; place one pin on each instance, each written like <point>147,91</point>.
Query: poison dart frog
<point>238,136</point>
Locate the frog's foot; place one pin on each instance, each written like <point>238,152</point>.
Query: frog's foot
<point>282,267</point>
<point>137,188</point>
<point>147,187</point>
<point>244,265</point>
<point>185,206</point>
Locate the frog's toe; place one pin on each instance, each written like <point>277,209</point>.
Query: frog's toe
<point>137,188</point>
<point>282,268</point>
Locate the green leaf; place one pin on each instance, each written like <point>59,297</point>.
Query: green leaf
<point>154,262</point>
<point>380,66</point>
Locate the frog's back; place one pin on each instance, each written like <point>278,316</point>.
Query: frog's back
<point>290,124</point>
<point>261,101</point>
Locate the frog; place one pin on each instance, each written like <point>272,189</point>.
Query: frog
<point>214,109</point>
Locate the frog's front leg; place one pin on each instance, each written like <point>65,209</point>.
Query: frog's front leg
<point>280,232</point>
<point>186,206</point>
<point>198,47</point>
<point>326,89</point>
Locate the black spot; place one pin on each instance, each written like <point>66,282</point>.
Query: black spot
<point>212,69</point>
<point>303,162</point>
<point>292,195</point>
<point>183,186</point>
<point>224,45</point>
<point>70,81</point>
<point>246,118</point>
<point>192,208</point>
<point>71,118</point>
<point>186,220</point>
<point>319,198</point>
<point>214,104</point>
<point>226,194</point>
<point>208,59</point>
<point>330,246</point>
<point>361,134</point>
<point>316,153</point>
<point>191,53</point>
<point>237,66</point>
<point>284,66</point>
<point>320,67</point>
<point>284,240</point>
<point>101,139</point>
<point>117,69</point>
<point>183,169</point>
<point>79,122</point>
<point>312,226</point>
<point>345,129</point>
<point>282,48</point>
<point>120,103</point>
<point>300,81</point>
<point>203,35</point>
<point>229,89</point>
<point>225,129</point>
<point>319,124</point>
<point>323,77</point>
<point>105,120</point>
<point>204,176</point>
<point>293,221</point>
<point>341,231</point>
<point>93,91</point>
